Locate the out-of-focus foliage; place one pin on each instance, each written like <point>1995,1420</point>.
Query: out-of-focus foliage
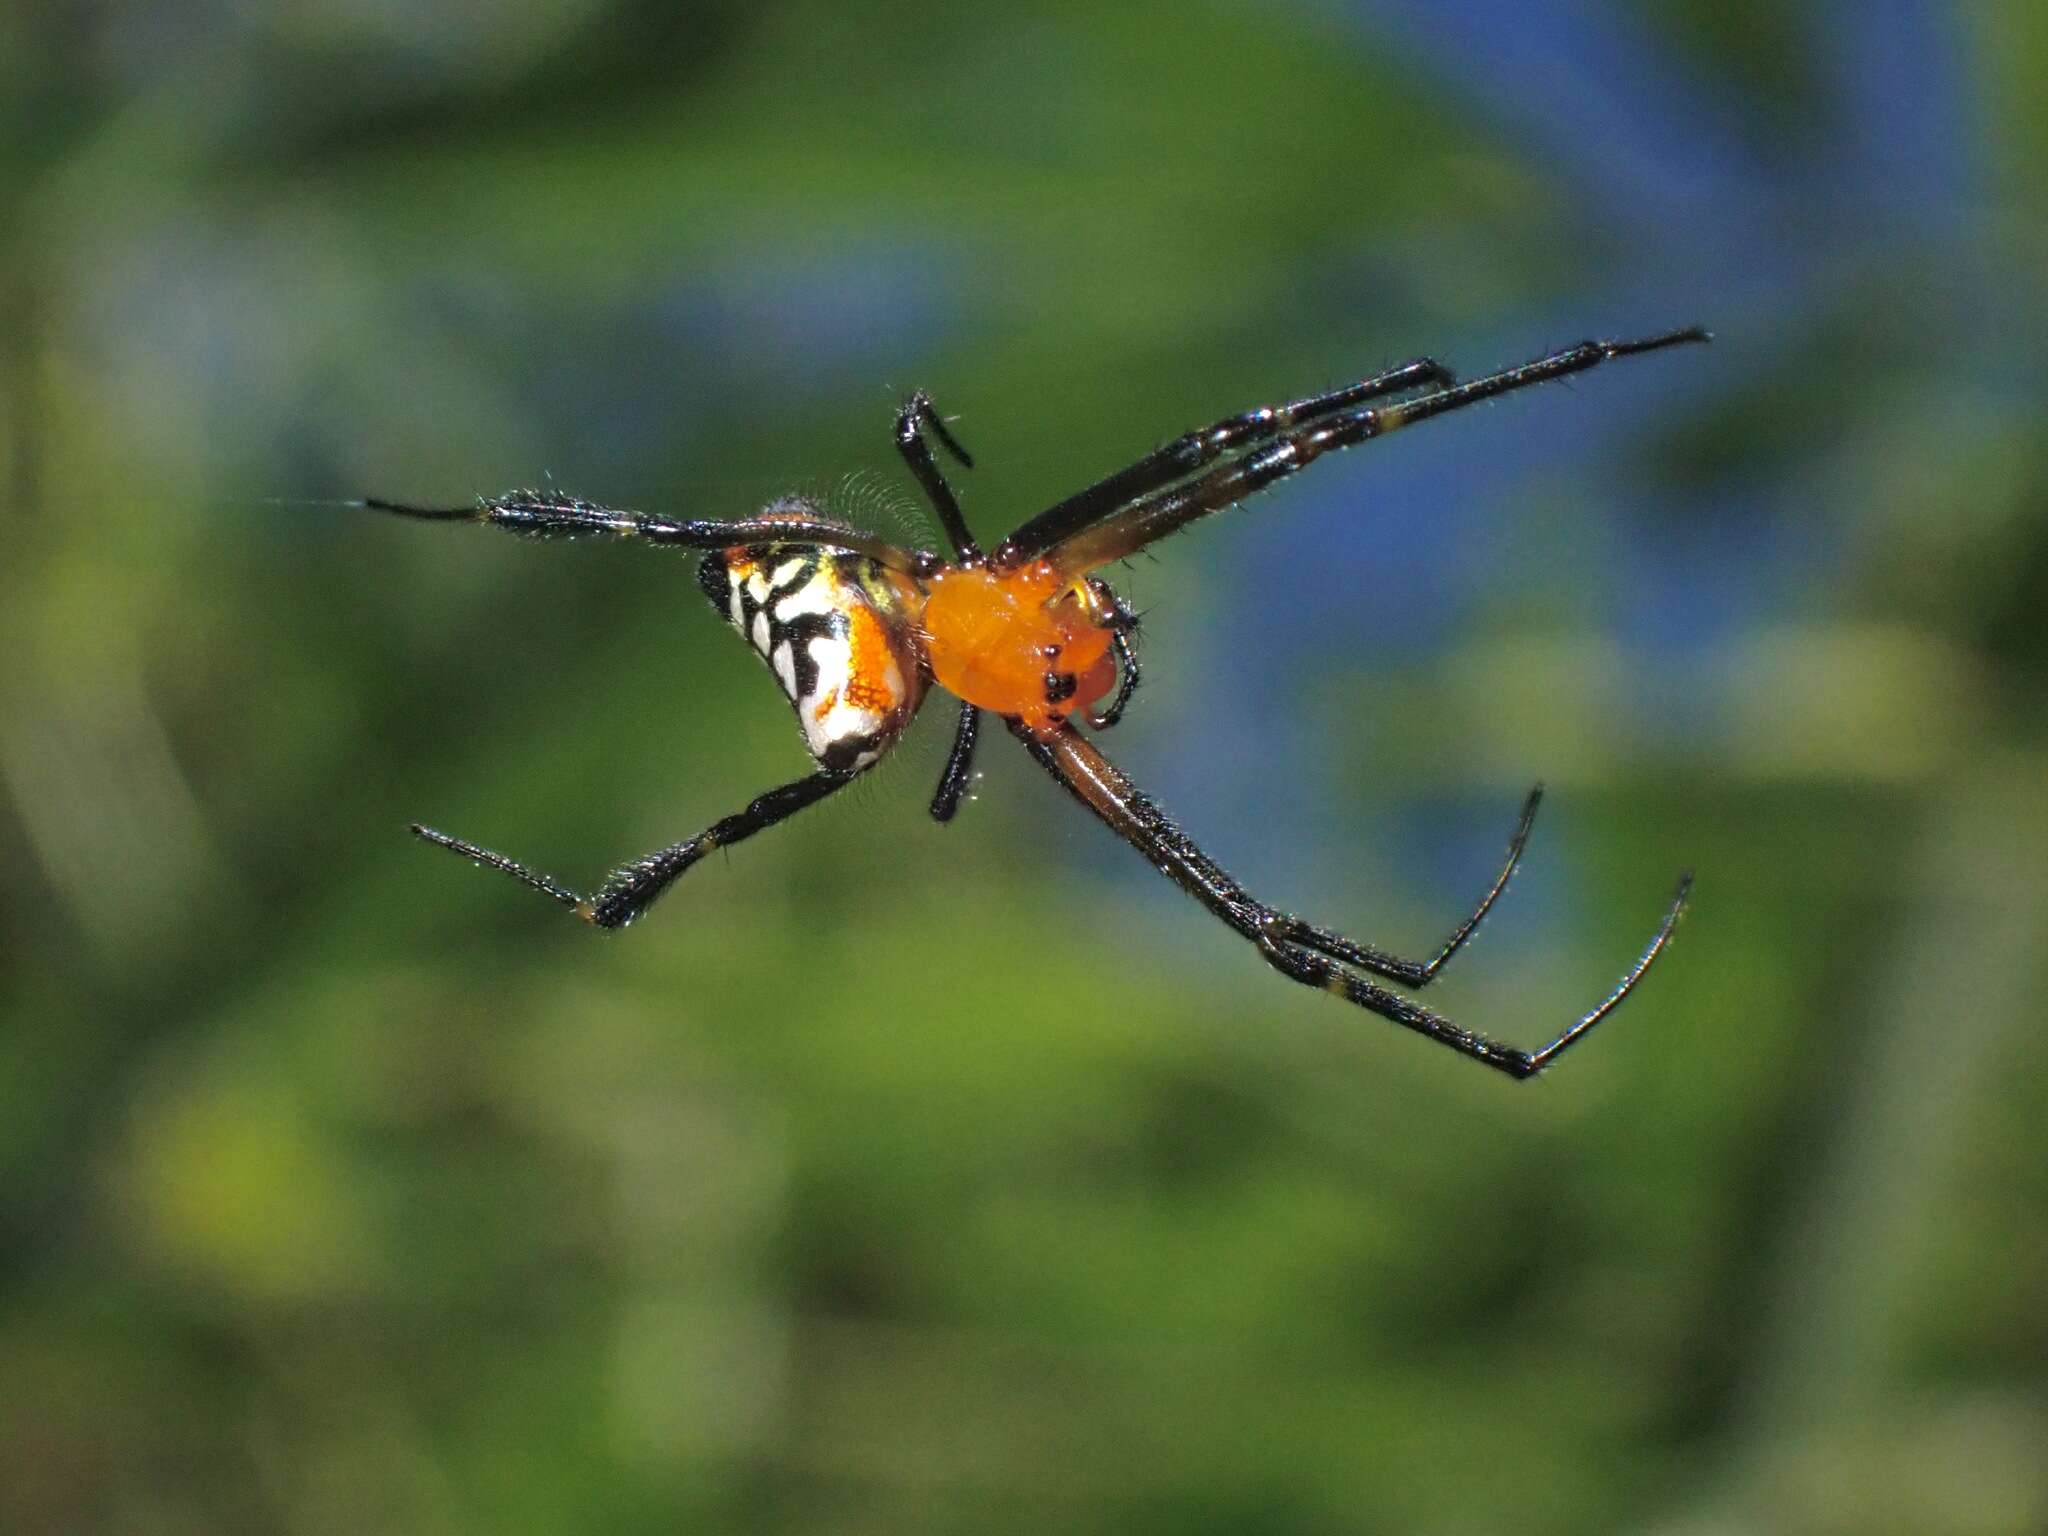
<point>895,1178</point>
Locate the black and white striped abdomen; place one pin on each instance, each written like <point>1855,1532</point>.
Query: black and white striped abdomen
<point>838,631</point>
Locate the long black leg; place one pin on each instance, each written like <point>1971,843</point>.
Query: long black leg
<point>917,416</point>
<point>1416,973</point>
<point>959,770</point>
<point>1192,450</point>
<point>550,515</point>
<point>1127,530</point>
<point>631,888</point>
<point>1092,780</point>
<point>912,421</point>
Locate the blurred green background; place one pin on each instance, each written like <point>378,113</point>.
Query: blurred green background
<point>896,1178</point>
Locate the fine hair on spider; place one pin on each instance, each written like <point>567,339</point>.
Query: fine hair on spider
<point>858,631</point>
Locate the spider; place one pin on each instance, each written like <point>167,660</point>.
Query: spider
<point>857,630</point>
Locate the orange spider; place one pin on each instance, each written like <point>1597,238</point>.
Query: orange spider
<point>856,629</point>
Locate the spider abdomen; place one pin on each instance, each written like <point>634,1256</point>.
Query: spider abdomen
<point>838,630</point>
<point>1021,643</point>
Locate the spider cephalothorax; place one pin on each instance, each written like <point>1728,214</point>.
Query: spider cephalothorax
<point>856,630</point>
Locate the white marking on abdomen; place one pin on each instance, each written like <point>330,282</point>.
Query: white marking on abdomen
<point>811,597</point>
<point>833,656</point>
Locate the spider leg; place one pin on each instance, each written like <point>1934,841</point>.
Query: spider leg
<point>959,769</point>
<point>1415,973</point>
<point>1192,450</point>
<point>1126,683</point>
<point>631,888</point>
<point>1097,784</point>
<point>912,421</point>
<point>1127,529</point>
<point>1115,615</point>
<point>551,515</point>
<point>917,416</point>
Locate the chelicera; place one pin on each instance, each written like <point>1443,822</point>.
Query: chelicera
<point>857,631</point>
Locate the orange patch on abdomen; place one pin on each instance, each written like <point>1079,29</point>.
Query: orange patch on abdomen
<point>868,663</point>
